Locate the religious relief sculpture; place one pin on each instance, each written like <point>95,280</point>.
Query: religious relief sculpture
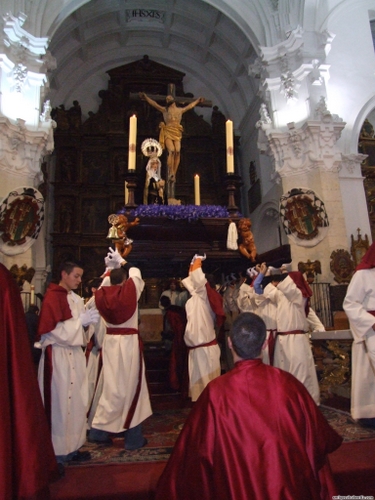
<point>171,133</point>
<point>247,244</point>
<point>342,266</point>
<point>22,274</point>
<point>303,216</point>
<point>117,233</point>
<point>153,193</point>
<point>68,119</point>
<point>310,269</point>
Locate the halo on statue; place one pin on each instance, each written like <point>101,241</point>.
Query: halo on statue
<point>151,147</point>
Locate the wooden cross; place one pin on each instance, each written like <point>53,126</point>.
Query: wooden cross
<point>172,91</point>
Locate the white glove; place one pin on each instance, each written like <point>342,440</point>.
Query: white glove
<point>113,259</point>
<point>274,270</point>
<point>196,256</point>
<point>286,268</point>
<point>89,316</point>
<point>252,272</point>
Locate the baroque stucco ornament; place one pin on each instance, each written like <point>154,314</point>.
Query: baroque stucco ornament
<point>311,146</point>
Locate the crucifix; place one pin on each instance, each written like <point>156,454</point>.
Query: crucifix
<point>171,129</point>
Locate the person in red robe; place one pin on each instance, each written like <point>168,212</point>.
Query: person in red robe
<point>254,433</point>
<point>174,324</point>
<point>27,459</point>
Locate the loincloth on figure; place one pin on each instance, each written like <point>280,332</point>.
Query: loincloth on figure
<point>172,132</point>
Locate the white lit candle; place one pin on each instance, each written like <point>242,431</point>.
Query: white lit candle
<point>229,140</point>
<point>32,295</point>
<point>126,194</point>
<point>132,142</point>
<point>197,194</point>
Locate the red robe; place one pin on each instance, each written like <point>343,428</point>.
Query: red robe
<point>55,309</point>
<point>27,459</point>
<point>175,316</point>
<point>254,433</point>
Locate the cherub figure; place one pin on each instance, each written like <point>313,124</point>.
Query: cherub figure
<point>247,246</point>
<point>122,243</point>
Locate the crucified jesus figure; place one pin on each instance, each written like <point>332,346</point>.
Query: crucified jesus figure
<point>171,132</point>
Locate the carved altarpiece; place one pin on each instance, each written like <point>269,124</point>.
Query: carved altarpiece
<point>91,165</point>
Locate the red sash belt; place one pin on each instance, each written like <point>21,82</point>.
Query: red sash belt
<point>271,344</point>
<point>133,406</point>
<point>292,332</point>
<point>272,341</point>
<point>213,342</point>
<point>371,312</point>
<point>122,331</point>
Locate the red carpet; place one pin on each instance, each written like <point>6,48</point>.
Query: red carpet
<point>107,482</point>
<point>353,466</point>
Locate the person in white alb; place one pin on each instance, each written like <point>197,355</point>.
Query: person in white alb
<point>124,402</point>
<point>359,306</point>
<point>203,310</point>
<point>293,352</point>
<point>62,368</point>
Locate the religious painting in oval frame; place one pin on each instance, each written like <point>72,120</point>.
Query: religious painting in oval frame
<point>304,217</point>
<point>21,219</point>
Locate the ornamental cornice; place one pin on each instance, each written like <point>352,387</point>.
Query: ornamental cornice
<point>21,149</point>
<point>352,162</point>
<point>284,66</point>
<point>312,146</point>
<point>26,52</point>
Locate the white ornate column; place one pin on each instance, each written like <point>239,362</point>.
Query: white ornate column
<point>26,127</point>
<point>300,135</point>
<point>307,161</point>
<point>353,195</point>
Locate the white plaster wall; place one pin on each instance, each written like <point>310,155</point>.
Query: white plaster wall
<point>352,59</point>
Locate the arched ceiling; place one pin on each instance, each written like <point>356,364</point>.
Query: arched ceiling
<point>190,36</point>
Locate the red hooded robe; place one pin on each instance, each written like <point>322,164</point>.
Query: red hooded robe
<point>26,454</point>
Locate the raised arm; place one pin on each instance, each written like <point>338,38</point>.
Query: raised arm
<point>151,102</point>
<point>192,104</point>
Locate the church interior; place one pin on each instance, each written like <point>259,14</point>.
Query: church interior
<point>297,86</point>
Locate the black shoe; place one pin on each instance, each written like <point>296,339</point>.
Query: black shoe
<point>131,448</point>
<point>367,422</point>
<point>104,442</point>
<point>81,456</point>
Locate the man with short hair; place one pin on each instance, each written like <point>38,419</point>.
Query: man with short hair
<point>254,433</point>
<point>62,369</point>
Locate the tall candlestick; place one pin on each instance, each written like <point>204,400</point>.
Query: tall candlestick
<point>197,194</point>
<point>32,295</point>
<point>229,140</point>
<point>132,142</point>
<point>126,194</point>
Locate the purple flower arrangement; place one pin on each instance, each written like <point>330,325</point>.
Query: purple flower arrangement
<point>175,212</point>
